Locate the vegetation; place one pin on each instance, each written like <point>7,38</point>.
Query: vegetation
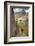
<point>23,25</point>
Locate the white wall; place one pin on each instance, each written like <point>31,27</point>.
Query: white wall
<point>34,21</point>
<point>2,26</point>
